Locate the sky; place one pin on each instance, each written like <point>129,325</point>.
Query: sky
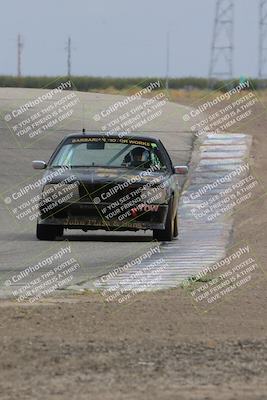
<point>122,38</point>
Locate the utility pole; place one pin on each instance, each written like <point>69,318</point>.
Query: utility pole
<point>68,48</point>
<point>167,60</point>
<point>19,53</point>
<point>262,38</point>
<point>222,48</point>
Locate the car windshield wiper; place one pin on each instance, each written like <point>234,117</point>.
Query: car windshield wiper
<point>74,166</point>
<point>96,166</point>
<point>60,166</point>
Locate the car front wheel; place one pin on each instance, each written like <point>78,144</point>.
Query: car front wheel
<point>171,230</point>
<point>48,232</point>
<point>175,228</point>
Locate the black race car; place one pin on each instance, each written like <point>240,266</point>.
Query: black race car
<point>95,181</point>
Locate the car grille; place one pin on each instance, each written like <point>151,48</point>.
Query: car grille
<point>106,192</point>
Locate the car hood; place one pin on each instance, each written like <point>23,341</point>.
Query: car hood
<point>103,175</point>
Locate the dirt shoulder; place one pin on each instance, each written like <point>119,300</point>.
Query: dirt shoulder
<point>158,346</point>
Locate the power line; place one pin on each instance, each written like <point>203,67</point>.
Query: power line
<point>222,47</point>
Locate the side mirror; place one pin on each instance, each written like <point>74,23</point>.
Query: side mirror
<point>39,164</point>
<point>181,169</point>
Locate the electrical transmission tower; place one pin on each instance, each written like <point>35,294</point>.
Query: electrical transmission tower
<point>263,40</point>
<point>167,60</point>
<point>19,53</point>
<point>69,48</point>
<point>221,63</point>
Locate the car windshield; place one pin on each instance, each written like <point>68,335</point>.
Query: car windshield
<point>87,152</point>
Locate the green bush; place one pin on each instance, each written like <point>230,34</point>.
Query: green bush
<point>89,83</point>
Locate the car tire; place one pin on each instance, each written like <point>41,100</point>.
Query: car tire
<point>167,234</point>
<point>48,232</point>
<point>175,227</point>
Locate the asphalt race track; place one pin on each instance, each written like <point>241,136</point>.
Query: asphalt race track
<point>97,251</point>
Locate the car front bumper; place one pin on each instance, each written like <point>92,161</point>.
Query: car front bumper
<point>89,217</point>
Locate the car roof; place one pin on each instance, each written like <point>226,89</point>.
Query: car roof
<point>120,135</point>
